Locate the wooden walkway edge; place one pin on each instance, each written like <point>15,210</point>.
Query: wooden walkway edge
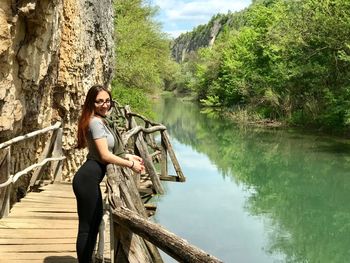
<point>42,227</point>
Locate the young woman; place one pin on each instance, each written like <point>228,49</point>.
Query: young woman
<point>101,143</point>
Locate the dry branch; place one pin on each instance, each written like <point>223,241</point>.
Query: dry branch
<point>137,129</point>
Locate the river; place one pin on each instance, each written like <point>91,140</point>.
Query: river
<point>255,194</point>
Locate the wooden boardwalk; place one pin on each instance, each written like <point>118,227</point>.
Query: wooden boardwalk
<point>42,227</point>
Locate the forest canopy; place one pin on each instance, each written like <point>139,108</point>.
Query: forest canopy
<point>283,59</point>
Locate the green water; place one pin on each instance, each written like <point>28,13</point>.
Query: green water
<point>256,195</point>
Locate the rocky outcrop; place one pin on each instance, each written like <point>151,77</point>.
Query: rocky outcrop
<point>187,44</point>
<point>202,36</point>
<point>51,52</point>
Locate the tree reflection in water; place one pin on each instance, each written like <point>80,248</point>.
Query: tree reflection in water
<point>300,181</point>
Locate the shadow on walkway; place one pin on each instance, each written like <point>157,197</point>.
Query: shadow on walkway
<point>60,259</point>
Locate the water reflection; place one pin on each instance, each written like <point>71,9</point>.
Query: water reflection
<point>297,183</point>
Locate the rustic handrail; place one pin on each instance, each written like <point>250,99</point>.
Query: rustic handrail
<point>52,147</point>
<point>14,177</point>
<point>137,129</point>
<point>176,247</point>
<point>143,150</point>
<point>29,135</point>
<point>134,222</point>
<point>133,237</point>
<point>142,118</point>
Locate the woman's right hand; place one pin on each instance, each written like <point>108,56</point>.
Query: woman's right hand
<point>138,167</point>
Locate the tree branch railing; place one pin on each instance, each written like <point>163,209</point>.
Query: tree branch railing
<point>133,238</point>
<point>128,225</point>
<point>53,147</point>
<point>164,150</point>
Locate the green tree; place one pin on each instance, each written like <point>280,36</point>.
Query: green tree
<point>142,52</point>
<point>282,59</point>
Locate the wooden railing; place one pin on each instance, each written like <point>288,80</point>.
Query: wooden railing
<point>134,238</point>
<point>51,153</point>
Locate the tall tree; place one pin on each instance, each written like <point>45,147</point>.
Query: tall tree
<point>142,53</point>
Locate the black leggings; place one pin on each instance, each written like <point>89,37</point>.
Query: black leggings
<point>86,187</point>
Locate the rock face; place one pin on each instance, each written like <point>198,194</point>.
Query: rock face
<point>203,36</point>
<point>187,44</point>
<point>51,52</point>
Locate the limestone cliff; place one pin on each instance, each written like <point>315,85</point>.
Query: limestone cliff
<point>51,52</point>
<point>203,36</point>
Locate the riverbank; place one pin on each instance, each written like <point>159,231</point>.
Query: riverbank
<point>244,117</point>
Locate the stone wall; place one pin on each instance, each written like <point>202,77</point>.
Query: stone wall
<point>51,52</point>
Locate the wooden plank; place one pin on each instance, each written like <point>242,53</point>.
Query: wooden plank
<point>170,178</point>
<point>38,248</point>
<point>41,228</point>
<point>32,241</point>
<point>45,217</point>
<point>49,259</point>
<point>33,222</point>
<point>45,209</point>
<point>53,233</point>
<point>31,257</point>
<point>50,200</point>
<point>40,205</point>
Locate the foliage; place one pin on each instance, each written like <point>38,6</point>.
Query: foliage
<point>133,97</point>
<point>286,59</point>
<point>211,101</point>
<point>143,63</point>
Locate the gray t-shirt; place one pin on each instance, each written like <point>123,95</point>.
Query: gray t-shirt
<point>98,130</point>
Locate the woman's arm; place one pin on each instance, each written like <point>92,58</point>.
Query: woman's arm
<point>108,157</point>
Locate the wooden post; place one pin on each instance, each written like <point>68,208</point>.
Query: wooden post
<point>128,247</point>
<point>111,236</point>
<point>5,166</point>
<point>164,160</point>
<point>149,137</point>
<point>38,172</point>
<point>166,141</point>
<point>142,148</point>
<point>57,151</point>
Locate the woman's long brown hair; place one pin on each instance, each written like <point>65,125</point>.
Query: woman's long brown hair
<point>88,111</point>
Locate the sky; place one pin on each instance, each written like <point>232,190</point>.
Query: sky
<point>181,16</point>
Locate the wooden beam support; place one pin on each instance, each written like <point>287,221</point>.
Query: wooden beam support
<point>57,151</point>
<point>5,192</point>
<point>166,141</point>
<point>45,154</point>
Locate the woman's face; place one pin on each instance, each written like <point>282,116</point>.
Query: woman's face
<point>102,103</point>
